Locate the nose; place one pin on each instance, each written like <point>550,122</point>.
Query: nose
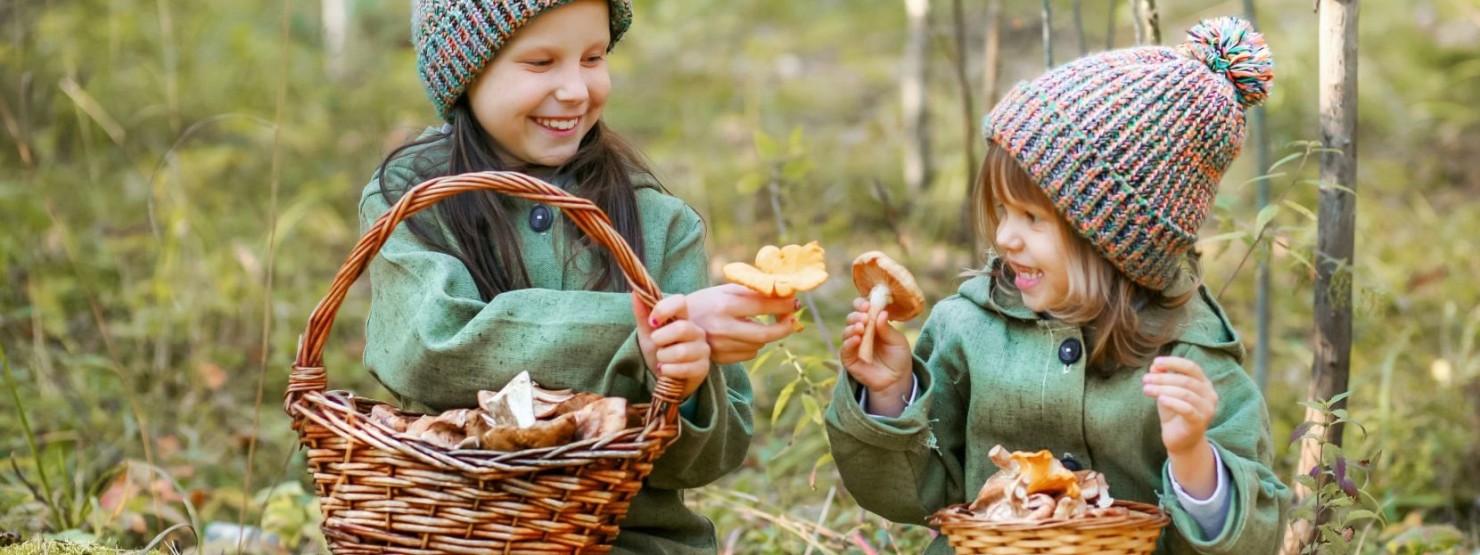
<point>572,87</point>
<point>1008,237</point>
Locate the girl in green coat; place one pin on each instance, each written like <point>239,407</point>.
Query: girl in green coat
<point>1088,333</point>
<point>482,287</point>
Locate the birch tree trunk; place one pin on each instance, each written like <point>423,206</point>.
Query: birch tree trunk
<point>1150,23</point>
<point>992,56</point>
<point>917,166</point>
<point>336,33</point>
<point>1334,241</point>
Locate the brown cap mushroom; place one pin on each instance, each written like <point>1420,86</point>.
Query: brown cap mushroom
<point>888,286</point>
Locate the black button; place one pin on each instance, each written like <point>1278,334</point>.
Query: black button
<point>1070,350</point>
<point>1071,463</point>
<point>540,218</point>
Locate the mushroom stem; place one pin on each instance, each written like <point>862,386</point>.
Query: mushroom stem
<point>878,298</point>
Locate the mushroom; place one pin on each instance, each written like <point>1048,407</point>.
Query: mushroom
<point>888,286</point>
<point>513,405</point>
<point>781,272</point>
<point>1042,473</point>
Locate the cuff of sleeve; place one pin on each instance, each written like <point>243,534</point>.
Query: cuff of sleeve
<point>906,431</point>
<point>1211,512</point>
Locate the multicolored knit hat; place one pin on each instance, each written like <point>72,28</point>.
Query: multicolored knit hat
<point>1130,144</point>
<point>454,39</point>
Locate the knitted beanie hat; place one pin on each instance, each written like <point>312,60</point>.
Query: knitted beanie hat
<point>1130,144</point>
<point>454,39</point>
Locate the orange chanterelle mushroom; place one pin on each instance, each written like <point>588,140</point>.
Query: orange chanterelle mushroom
<point>888,287</point>
<point>781,272</point>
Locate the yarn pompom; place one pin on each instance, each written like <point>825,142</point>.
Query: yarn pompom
<point>1232,48</point>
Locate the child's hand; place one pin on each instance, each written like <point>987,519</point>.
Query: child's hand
<point>1186,403</point>
<point>726,311</point>
<point>672,344</point>
<point>888,376</point>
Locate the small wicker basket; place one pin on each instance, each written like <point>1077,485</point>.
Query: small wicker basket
<point>1134,533</point>
<point>384,492</point>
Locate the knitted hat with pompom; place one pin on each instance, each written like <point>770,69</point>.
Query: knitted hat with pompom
<point>454,39</point>
<point>1130,144</point>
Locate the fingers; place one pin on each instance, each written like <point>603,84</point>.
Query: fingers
<point>671,307</point>
<point>741,302</point>
<point>643,314</point>
<point>1179,407</point>
<point>678,331</point>
<point>1177,365</point>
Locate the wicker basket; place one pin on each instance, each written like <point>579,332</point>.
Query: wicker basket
<point>1135,533</point>
<point>382,492</point>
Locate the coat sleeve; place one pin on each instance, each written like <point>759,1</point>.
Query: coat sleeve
<point>713,440</point>
<point>906,468</point>
<point>1259,501</point>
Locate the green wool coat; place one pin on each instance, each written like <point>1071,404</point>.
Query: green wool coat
<point>435,344</point>
<point>990,373</point>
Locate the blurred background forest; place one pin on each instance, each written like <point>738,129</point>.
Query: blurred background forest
<point>178,184</point>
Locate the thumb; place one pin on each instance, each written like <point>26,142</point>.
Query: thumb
<point>886,333</point>
<point>643,313</point>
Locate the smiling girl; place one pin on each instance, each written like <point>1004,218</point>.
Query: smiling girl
<point>1089,332</point>
<point>469,294</point>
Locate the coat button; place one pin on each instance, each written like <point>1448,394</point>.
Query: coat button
<point>540,218</point>
<point>1070,350</point>
<point>1071,463</point>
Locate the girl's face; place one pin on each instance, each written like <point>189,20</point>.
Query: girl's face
<point>546,88</point>
<point>1031,239</point>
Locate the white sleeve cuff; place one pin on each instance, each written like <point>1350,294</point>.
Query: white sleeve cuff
<point>914,392</point>
<point>1211,512</point>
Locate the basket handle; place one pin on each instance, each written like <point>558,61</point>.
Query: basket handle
<point>308,373</point>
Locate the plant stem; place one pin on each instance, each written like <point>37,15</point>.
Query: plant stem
<point>30,436</point>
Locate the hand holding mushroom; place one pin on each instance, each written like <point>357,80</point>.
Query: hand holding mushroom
<point>874,353</point>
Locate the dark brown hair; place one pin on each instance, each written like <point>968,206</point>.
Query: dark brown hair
<point>1108,304</point>
<point>480,226</point>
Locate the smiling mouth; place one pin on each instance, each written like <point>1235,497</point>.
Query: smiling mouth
<point>558,124</point>
<point>1026,273</point>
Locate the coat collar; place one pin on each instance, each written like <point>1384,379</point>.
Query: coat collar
<point>1204,324</point>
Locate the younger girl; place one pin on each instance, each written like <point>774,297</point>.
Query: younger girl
<point>1089,333</point>
<point>484,286</point>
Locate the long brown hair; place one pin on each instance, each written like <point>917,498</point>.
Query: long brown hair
<point>1108,304</point>
<point>479,228</point>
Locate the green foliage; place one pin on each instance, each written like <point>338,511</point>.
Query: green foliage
<point>1337,501</point>
<point>154,285</point>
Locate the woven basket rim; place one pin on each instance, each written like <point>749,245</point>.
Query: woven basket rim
<point>1140,515</point>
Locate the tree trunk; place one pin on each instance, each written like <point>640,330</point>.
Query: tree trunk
<point>1110,25</point>
<point>1337,218</point>
<point>1047,35</point>
<point>1150,23</point>
<point>968,115</point>
<point>1079,27</point>
<point>917,166</point>
<point>336,33</point>
<point>1260,134</point>
<point>992,57</point>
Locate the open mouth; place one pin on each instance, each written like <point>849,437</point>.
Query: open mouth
<point>1025,277</point>
<point>558,124</point>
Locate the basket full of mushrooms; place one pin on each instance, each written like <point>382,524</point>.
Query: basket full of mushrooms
<point>1033,504</point>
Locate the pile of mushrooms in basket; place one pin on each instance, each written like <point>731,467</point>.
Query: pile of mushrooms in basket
<point>1036,487</point>
<point>521,416</point>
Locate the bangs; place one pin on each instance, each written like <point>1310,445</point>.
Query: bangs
<point>1002,181</point>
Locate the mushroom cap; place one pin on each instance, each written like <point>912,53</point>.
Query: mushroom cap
<point>781,272</point>
<point>1042,473</point>
<point>874,267</point>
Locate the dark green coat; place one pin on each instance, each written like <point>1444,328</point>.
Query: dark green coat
<point>435,344</point>
<point>989,373</point>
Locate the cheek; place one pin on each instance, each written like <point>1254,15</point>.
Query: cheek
<point>599,86</point>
